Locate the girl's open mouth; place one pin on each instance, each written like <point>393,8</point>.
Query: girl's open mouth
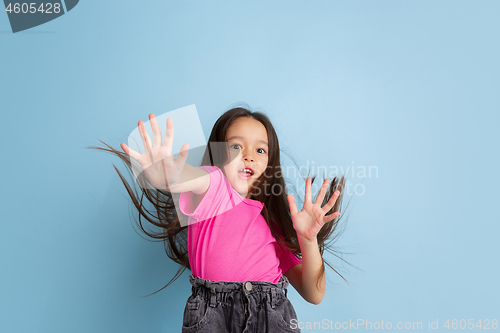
<point>245,173</point>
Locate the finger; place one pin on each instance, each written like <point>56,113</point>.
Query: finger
<point>130,152</point>
<point>146,141</point>
<point>308,194</point>
<point>156,130</point>
<point>331,202</point>
<point>181,159</point>
<point>330,217</point>
<point>169,136</point>
<point>322,192</point>
<point>292,204</point>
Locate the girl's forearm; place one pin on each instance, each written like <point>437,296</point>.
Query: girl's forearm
<point>191,179</point>
<point>313,287</point>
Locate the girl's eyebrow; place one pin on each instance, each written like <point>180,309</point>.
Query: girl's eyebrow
<point>239,137</point>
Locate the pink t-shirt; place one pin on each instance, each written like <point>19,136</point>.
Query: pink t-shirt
<point>229,239</point>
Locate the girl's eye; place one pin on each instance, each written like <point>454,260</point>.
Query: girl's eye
<point>237,146</point>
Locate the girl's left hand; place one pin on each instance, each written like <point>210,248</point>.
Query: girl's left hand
<point>308,222</point>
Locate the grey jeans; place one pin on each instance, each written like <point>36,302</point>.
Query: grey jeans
<point>239,307</point>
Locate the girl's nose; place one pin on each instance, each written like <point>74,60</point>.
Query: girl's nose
<point>248,158</point>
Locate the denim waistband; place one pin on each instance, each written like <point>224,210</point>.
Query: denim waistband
<point>215,288</point>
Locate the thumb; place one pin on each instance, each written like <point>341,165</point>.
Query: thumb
<point>292,204</point>
<point>181,159</point>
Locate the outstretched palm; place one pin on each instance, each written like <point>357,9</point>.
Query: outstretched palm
<point>157,161</point>
<point>308,222</point>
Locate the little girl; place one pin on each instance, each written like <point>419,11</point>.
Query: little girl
<point>246,239</point>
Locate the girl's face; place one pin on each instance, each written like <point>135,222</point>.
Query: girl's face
<point>248,146</point>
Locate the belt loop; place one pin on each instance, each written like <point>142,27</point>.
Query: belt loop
<point>273,298</point>
<point>213,300</point>
<point>213,297</point>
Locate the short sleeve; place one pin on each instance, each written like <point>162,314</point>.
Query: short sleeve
<point>288,259</point>
<point>215,195</point>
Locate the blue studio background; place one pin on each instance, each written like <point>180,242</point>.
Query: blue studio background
<point>409,88</point>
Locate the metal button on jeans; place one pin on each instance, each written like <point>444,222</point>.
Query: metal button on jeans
<point>248,286</point>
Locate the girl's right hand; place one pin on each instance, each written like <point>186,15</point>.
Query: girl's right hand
<point>158,163</point>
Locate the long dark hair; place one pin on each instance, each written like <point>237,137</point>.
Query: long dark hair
<point>276,210</point>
